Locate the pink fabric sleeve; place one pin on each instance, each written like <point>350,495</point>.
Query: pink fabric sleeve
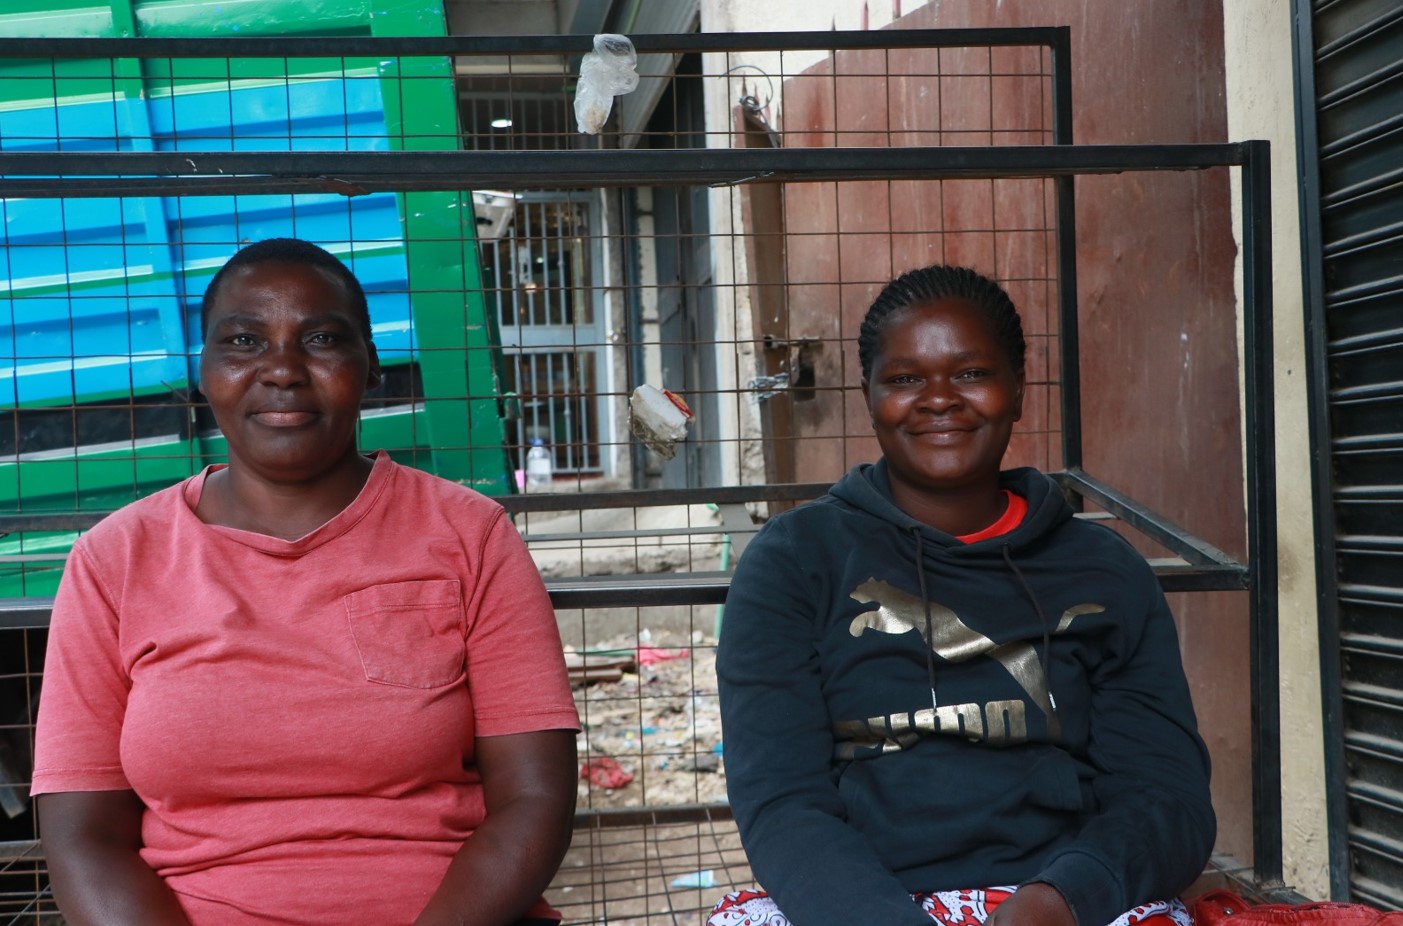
<point>515,668</point>
<point>84,694</point>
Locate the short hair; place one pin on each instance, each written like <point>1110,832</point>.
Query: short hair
<point>292,251</point>
<point>940,281</point>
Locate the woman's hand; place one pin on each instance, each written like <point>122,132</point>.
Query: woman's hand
<point>91,841</point>
<point>1035,904</point>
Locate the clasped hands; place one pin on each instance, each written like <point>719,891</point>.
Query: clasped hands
<point>1034,904</point>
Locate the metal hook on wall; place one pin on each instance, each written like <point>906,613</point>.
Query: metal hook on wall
<point>749,101</point>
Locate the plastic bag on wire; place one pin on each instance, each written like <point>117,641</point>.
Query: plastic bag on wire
<point>606,72</point>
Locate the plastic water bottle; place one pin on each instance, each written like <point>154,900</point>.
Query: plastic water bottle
<point>538,466</point>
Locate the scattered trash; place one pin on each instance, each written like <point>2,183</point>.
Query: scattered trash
<point>659,419</point>
<point>538,466</point>
<point>14,796</point>
<point>604,772</point>
<point>588,668</point>
<point>701,762</point>
<point>605,73</point>
<point>704,878</point>
<point>493,212</point>
<point>652,721</point>
<point>652,655</point>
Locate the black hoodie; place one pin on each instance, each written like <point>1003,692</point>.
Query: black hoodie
<point>1077,763</point>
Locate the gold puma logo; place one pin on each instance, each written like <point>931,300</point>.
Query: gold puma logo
<point>955,641</point>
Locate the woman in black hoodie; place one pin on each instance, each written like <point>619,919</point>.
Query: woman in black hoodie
<point>942,696</point>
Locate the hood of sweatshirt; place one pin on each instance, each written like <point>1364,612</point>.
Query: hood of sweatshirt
<point>868,487</point>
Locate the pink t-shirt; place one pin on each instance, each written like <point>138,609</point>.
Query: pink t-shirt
<point>299,716</point>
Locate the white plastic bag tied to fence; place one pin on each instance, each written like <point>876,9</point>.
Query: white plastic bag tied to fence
<point>659,419</point>
<point>605,73</point>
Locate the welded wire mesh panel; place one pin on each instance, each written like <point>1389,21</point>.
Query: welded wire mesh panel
<point>507,316</point>
<point>24,894</point>
<point>512,314</point>
<point>650,872</point>
<point>744,301</point>
<point>24,900</point>
<point>100,320</point>
<point>657,844</point>
<point>652,724</point>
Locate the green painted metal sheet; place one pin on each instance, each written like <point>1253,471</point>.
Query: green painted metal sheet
<point>455,429</point>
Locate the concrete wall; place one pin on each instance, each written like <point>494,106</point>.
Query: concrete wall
<point>1160,340</point>
<point>1257,40</point>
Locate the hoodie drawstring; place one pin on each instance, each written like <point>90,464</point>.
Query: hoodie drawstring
<point>930,628</point>
<point>1047,629</point>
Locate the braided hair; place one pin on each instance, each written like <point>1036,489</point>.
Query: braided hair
<point>939,281</point>
<point>290,251</point>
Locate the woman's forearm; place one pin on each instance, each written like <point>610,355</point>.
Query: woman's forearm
<point>106,887</point>
<point>92,842</point>
<point>497,875</point>
<point>529,785</point>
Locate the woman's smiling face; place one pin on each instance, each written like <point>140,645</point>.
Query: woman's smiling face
<point>943,394</point>
<point>284,367</point>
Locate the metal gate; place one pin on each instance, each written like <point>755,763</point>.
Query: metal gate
<point>539,273</point>
<point>1350,86</point>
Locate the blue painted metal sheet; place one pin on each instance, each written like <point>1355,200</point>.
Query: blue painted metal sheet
<point>99,298</point>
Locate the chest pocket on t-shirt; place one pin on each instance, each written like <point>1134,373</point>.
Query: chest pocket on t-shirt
<point>409,633</point>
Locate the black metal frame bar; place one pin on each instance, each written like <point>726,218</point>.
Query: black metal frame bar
<point>522,45</point>
<point>606,817</point>
<point>186,173</point>
<point>1156,527</point>
<point>353,173</point>
<point>1069,324</point>
<point>1259,432</point>
<point>1327,588</point>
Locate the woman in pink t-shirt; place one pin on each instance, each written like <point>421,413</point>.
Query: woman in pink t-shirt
<point>311,686</point>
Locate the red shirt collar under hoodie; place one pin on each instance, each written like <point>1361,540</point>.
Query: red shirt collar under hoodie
<point>1011,518</point>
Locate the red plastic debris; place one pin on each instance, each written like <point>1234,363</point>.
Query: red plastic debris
<point>604,772</point>
<point>649,655</point>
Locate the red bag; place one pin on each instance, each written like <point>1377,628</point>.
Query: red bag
<point>1229,909</point>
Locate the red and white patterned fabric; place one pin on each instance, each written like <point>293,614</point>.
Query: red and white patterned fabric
<point>956,908</point>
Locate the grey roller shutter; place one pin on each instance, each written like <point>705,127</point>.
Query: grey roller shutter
<point>1354,225</point>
